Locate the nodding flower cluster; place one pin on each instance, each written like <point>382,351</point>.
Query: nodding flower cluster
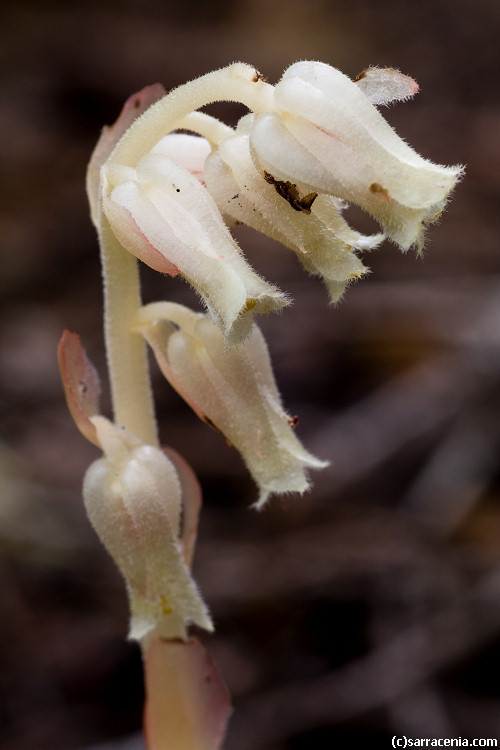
<point>165,184</point>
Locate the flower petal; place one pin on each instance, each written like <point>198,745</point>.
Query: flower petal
<point>330,100</point>
<point>234,390</point>
<point>128,230</point>
<point>188,151</point>
<point>133,500</point>
<point>278,210</point>
<point>179,225</point>
<point>327,136</point>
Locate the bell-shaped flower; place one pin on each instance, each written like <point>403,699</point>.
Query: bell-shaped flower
<point>162,214</point>
<point>233,390</point>
<point>311,225</point>
<point>133,497</point>
<point>326,135</point>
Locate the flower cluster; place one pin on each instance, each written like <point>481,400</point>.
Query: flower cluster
<point>314,142</point>
<point>308,147</point>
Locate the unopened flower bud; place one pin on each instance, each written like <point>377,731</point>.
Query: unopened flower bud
<point>133,499</point>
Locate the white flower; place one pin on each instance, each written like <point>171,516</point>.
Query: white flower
<point>133,499</point>
<point>325,135</point>
<point>232,389</point>
<point>188,151</point>
<point>163,215</point>
<point>311,225</point>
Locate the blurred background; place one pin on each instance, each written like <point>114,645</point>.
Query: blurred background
<point>369,607</point>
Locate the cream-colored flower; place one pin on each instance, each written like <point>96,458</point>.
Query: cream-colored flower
<point>311,225</point>
<point>325,135</point>
<point>163,215</point>
<point>232,389</point>
<point>187,151</point>
<point>133,499</point>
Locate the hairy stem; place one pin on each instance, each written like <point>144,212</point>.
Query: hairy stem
<point>126,350</point>
<point>238,82</point>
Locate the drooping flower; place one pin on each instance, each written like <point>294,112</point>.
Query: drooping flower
<point>311,225</point>
<point>134,497</point>
<point>233,390</point>
<point>163,215</point>
<point>325,135</point>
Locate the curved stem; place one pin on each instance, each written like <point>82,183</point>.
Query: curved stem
<point>210,128</point>
<point>126,350</point>
<point>238,82</point>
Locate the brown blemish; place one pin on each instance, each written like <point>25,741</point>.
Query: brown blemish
<point>257,76</point>
<point>360,76</point>
<point>293,421</point>
<point>379,190</point>
<point>365,72</point>
<point>289,191</point>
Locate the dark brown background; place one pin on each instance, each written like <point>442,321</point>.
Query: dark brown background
<point>367,608</point>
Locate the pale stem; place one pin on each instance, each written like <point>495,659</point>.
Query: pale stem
<point>126,349</point>
<point>210,128</point>
<point>237,82</point>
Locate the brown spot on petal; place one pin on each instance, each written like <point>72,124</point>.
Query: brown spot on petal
<point>360,76</point>
<point>257,76</point>
<point>293,421</point>
<point>377,189</point>
<point>368,71</point>
<point>289,191</point>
